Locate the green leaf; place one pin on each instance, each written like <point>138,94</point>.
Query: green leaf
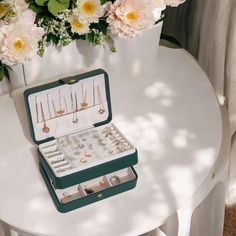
<point>103,1</point>
<point>1,73</point>
<point>41,2</point>
<point>57,6</point>
<point>53,38</point>
<point>64,2</point>
<point>110,43</point>
<point>36,8</point>
<point>6,68</point>
<point>90,37</point>
<point>101,26</point>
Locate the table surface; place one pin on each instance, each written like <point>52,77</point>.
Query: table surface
<point>171,116</point>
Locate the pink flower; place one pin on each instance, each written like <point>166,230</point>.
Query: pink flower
<point>160,6</point>
<point>174,3</point>
<point>19,9</point>
<point>27,16</point>
<point>128,18</point>
<point>19,42</point>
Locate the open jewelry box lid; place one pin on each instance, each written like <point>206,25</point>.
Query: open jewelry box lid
<point>68,105</point>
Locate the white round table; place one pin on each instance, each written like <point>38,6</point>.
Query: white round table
<point>172,117</point>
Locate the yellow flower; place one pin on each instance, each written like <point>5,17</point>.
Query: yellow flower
<point>79,26</point>
<point>128,18</point>
<point>19,42</point>
<point>3,9</point>
<point>90,10</point>
<point>19,45</point>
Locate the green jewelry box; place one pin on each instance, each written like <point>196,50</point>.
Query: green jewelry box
<point>70,120</point>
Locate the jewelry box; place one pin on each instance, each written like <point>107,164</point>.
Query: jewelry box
<point>83,157</point>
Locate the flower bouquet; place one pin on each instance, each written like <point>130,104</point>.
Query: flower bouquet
<point>27,27</point>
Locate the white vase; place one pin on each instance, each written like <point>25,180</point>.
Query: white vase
<point>4,86</point>
<point>132,56</point>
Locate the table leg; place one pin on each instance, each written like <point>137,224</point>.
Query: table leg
<point>155,232</point>
<point>184,217</point>
<point>4,229</point>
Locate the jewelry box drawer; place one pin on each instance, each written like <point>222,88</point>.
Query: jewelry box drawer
<point>91,191</point>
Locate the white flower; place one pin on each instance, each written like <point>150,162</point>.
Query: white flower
<point>90,10</point>
<point>20,5</point>
<point>78,25</point>
<point>19,42</point>
<point>27,16</point>
<point>4,8</point>
<point>12,10</point>
<point>174,3</point>
<point>128,18</point>
<point>160,6</point>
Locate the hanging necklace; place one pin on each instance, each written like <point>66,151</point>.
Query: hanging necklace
<point>84,103</point>
<point>101,109</point>
<point>45,127</point>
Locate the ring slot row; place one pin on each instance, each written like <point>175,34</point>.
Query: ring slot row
<point>84,148</point>
<point>55,157</point>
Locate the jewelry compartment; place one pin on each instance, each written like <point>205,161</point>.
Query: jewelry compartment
<point>70,120</point>
<point>91,191</point>
<point>85,149</point>
<point>68,105</point>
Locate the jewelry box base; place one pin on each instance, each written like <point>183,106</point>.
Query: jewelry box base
<point>84,199</point>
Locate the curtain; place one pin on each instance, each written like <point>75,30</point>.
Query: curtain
<point>207,29</point>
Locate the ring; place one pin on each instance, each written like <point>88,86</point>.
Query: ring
<point>101,111</point>
<point>66,195</point>
<point>88,190</point>
<point>115,180</point>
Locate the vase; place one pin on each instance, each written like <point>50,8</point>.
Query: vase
<point>132,57</point>
<point>4,86</point>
